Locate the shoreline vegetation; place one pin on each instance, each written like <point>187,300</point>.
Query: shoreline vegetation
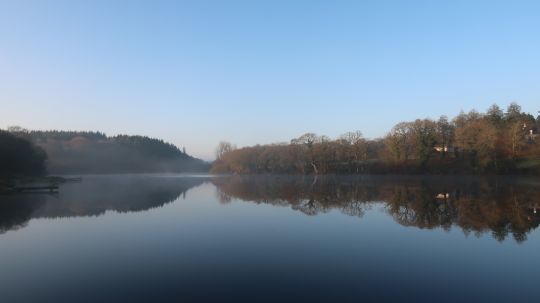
<point>473,143</point>
<point>31,155</point>
<point>494,142</point>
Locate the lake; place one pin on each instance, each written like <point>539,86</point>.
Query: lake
<point>189,238</point>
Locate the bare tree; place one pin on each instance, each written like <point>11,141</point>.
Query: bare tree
<point>356,147</point>
<point>445,134</point>
<point>352,137</point>
<point>516,136</point>
<point>223,148</point>
<point>308,140</point>
<point>478,138</point>
<point>400,140</point>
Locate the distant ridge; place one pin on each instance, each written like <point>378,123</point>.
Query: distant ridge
<point>89,152</point>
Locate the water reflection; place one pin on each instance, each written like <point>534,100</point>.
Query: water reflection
<point>93,197</point>
<point>500,206</point>
<point>198,250</point>
<point>504,207</point>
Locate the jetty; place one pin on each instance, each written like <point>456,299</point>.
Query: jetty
<point>36,185</point>
<point>43,188</point>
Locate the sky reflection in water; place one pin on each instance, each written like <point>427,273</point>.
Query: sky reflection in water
<point>272,238</point>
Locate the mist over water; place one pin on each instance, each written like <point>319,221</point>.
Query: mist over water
<point>260,238</point>
<point>269,151</point>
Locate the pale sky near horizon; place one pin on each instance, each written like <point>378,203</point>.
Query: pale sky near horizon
<point>197,72</point>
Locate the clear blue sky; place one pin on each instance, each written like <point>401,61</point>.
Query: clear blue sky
<point>197,72</point>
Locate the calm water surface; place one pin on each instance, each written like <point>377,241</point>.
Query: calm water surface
<point>162,238</point>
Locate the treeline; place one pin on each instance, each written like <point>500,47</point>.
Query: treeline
<point>19,157</point>
<point>73,152</point>
<point>497,141</point>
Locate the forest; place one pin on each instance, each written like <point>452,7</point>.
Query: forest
<point>19,157</point>
<point>76,152</point>
<point>494,142</point>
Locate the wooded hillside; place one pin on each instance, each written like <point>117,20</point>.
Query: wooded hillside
<point>94,152</point>
<point>491,142</point>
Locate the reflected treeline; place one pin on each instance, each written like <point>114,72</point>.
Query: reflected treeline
<point>93,197</point>
<point>501,206</point>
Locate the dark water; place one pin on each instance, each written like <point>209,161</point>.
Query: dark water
<point>273,239</point>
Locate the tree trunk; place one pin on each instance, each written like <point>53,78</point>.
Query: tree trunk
<point>315,170</point>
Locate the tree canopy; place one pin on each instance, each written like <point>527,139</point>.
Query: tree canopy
<point>95,152</point>
<point>473,142</point>
<point>19,157</point>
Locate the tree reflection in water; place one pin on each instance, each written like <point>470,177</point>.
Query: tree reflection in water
<point>93,197</point>
<point>501,206</point>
